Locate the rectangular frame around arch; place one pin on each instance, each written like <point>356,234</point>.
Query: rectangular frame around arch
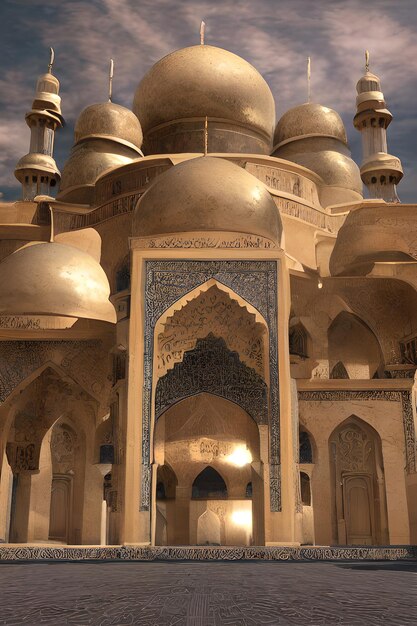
<point>256,282</point>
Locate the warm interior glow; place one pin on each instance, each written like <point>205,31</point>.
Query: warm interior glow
<point>240,456</point>
<point>243,518</point>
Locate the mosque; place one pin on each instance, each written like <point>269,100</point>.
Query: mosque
<point>208,330</point>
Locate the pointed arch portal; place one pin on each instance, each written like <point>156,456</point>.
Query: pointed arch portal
<point>167,283</point>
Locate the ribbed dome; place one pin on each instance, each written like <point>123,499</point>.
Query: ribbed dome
<point>54,279</point>
<point>205,81</point>
<point>207,194</point>
<point>309,120</point>
<point>107,120</point>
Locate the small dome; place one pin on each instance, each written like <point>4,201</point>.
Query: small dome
<point>87,161</point>
<point>207,194</point>
<point>368,82</point>
<point>335,168</point>
<point>54,279</point>
<point>205,81</point>
<point>107,120</point>
<point>309,120</point>
<point>46,95</point>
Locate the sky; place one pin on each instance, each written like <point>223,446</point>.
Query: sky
<point>276,36</point>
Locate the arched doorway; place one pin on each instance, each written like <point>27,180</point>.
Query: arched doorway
<point>47,449</point>
<point>208,452</point>
<point>358,484</point>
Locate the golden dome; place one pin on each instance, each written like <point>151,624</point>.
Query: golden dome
<point>335,168</point>
<point>207,194</point>
<point>107,120</point>
<point>54,279</point>
<point>309,120</point>
<point>87,161</point>
<point>204,81</point>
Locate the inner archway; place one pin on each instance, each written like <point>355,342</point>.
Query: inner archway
<point>211,446</point>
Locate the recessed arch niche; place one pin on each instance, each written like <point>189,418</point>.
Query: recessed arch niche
<point>358,484</point>
<point>354,350</point>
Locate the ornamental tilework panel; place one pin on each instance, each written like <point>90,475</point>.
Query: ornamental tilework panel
<point>257,283</point>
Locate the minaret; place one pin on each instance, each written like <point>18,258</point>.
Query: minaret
<point>37,170</point>
<point>380,171</point>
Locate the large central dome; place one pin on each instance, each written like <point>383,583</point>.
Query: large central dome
<point>192,83</point>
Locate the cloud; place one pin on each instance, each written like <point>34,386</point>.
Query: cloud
<point>276,37</point>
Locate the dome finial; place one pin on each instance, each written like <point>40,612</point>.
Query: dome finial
<point>111,70</point>
<point>366,61</point>
<point>202,32</point>
<point>308,79</point>
<point>51,60</point>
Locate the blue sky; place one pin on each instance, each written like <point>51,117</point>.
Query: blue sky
<point>276,36</point>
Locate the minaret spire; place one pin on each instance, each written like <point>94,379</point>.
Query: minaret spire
<point>202,32</point>
<point>380,171</point>
<point>37,170</point>
<point>111,72</point>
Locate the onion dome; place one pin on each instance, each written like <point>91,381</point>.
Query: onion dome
<point>106,136</point>
<point>207,194</point>
<point>54,279</point>
<point>314,136</point>
<point>184,87</point>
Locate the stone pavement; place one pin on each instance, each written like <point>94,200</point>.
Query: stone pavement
<point>208,594</point>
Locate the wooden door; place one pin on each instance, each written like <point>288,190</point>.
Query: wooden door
<point>59,520</point>
<point>358,509</point>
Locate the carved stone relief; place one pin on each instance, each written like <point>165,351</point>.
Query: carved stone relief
<point>213,311</point>
<point>254,281</point>
<point>202,240</point>
<point>355,449</point>
<point>384,395</point>
<point>85,361</point>
<point>63,448</point>
<point>211,367</point>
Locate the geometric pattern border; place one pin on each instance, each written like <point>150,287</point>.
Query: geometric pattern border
<point>256,282</point>
<point>347,395</point>
<point>208,553</point>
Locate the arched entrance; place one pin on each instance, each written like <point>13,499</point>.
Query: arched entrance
<point>54,490</point>
<point>360,516</point>
<point>208,451</point>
